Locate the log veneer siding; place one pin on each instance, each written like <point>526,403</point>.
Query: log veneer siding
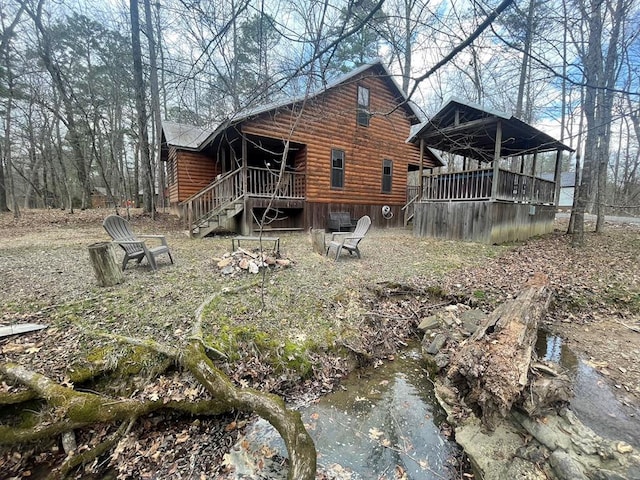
<point>330,121</point>
<point>193,172</point>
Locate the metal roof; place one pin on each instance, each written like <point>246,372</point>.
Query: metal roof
<point>467,129</point>
<point>185,136</point>
<point>196,138</point>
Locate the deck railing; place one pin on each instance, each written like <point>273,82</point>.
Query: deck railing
<point>518,187</point>
<point>263,182</point>
<point>477,185</point>
<point>466,185</point>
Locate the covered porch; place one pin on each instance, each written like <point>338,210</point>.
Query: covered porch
<point>253,174</point>
<point>497,193</point>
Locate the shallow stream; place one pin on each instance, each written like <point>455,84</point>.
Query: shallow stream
<point>593,402</point>
<point>383,422</point>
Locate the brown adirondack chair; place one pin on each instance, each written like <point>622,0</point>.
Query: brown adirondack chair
<point>135,248</point>
<point>349,240</point>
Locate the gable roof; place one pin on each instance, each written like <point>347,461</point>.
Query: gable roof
<point>465,128</point>
<point>196,138</point>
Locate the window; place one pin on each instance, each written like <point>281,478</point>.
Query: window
<point>363,114</point>
<point>387,175</point>
<point>337,168</point>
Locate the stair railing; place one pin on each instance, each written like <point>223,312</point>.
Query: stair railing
<point>213,199</point>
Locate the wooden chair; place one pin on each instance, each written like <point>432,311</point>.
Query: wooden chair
<point>349,241</point>
<point>134,248</point>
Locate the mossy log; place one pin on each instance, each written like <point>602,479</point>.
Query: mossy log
<point>491,370</point>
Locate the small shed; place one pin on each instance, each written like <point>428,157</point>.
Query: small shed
<point>498,195</point>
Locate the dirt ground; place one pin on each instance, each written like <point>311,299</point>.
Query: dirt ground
<point>46,277</point>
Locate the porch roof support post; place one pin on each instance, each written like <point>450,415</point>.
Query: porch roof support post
<point>534,163</point>
<point>246,217</point>
<point>496,161</point>
<point>421,179</point>
<point>557,177</point>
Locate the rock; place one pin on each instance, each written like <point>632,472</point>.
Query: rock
<point>270,260</point>
<point>623,447</point>
<point>603,474</point>
<point>228,270</point>
<point>429,323</point>
<point>244,264</point>
<point>471,319</point>
<point>283,262</point>
<point>566,467</point>
<point>441,360</point>
<point>253,268</point>
<point>437,343</point>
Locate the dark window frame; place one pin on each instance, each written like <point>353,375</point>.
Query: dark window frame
<point>363,114</point>
<point>337,172</point>
<point>387,177</point>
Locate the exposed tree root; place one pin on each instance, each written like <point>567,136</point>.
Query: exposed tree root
<point>73,461</point>
<point>72,409</point>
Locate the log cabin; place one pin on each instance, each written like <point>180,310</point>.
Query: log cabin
<point>499,195</point>
<point>287,165</point>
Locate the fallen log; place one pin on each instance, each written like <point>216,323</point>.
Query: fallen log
<point>490,371</point>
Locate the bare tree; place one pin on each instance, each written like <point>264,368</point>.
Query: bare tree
<point>601,61</point>
<point>139,90</point>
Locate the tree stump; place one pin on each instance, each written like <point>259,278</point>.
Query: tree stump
<point>105,266</point>
<point>317,238</point>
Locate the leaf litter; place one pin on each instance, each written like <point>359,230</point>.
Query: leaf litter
<point>363,310</point>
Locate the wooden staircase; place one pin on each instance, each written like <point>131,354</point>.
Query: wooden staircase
<point>215,207</point>
<point>409,209</point>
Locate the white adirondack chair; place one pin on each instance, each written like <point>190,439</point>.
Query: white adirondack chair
<point>349,240</point>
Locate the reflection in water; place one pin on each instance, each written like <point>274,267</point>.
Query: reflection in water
<point>379,422</point>
<point>594,403</point>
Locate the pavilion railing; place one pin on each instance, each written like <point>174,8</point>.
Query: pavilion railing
<point>478,185</point>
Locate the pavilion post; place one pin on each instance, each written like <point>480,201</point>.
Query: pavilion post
<point>496,161</point>
<point>557,177</point>
<point>421,180</point>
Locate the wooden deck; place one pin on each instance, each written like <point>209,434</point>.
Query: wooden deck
<point>471,206</point>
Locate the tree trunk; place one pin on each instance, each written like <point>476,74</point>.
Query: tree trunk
<point>491,370</point>
<point>105,266</point>
<point>145,153</point>
<point>155,102</point>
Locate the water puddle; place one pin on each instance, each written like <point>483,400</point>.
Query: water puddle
<point>594,402</point>
<point>381,422</point>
